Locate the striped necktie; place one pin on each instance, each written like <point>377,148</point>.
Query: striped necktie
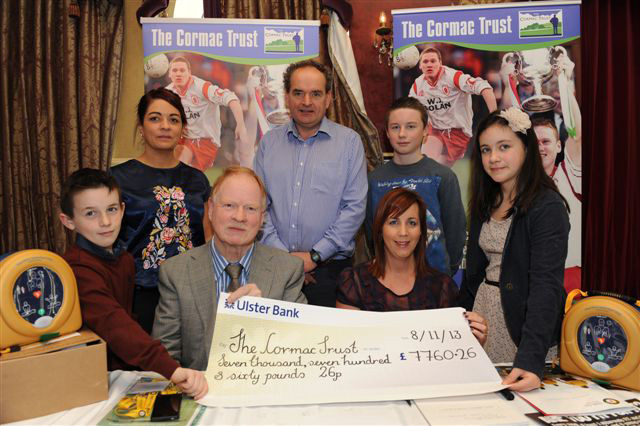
<point>234,270</point>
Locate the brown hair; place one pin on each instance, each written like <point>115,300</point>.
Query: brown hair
<point>84,179</point>
<point>286,77</point>
<point>163,94</point>
<point>486,194</point>
<point>408,103</point>
<point>239,170</point>
<point>393,204</point>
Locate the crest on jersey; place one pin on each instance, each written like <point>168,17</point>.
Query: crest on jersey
<point>446,90</point>
<point>195,100</point>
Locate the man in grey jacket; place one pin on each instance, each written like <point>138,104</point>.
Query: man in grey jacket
<point>191,283</point>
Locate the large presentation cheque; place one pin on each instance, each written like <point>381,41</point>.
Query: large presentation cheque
<point>270,352</point>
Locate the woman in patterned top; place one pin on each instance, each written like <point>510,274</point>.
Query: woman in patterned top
<point>164,198</point>
<point>399,278</point>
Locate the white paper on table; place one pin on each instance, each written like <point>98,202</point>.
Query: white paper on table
<point>566,396</point>
<point>357,413</point>
<point>270,352</point>
<point>489,409</point>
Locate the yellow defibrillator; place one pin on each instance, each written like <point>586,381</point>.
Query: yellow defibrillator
<point>601,338</point>
<point>38,298</point>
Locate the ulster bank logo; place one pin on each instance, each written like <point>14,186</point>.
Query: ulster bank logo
<point>283,40</point>
<point>540,23</point>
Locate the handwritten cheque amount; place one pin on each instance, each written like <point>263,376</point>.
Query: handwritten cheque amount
<point>270,352</point>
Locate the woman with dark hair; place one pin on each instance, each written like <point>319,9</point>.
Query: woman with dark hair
<point>517,247</point>
<point>399,277</point>
<point>164,198</point>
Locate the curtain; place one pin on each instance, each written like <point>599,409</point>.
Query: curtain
<point>59,83</point>
<point>610,127</point>
<point>263,9</point>
<point>349,107</point>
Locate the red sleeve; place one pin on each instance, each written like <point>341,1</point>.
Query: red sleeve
<point>103,314</point>
<point>205,89</point>
<point>456,79</point>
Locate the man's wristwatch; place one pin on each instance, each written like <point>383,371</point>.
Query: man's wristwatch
<point>315,257</point>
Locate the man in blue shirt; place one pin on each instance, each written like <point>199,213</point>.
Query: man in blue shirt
<point>315,174</point>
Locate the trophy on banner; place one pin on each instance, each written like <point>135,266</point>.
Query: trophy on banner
<point>269,96</point>
<point>535,67</point>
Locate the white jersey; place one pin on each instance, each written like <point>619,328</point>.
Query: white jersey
<point>568,179</point>
<point>201,101</point>
<point>448,101</point>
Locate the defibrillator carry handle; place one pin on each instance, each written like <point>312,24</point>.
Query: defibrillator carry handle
<point>573,293</point>
<point>622,297</point>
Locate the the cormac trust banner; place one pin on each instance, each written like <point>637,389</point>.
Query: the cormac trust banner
<point>461,62</point>
<point>228,73</point>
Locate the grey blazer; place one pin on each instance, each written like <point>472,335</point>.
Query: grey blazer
<point>186,312</point>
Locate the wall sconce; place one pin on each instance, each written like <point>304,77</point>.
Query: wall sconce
<point>383,40</point>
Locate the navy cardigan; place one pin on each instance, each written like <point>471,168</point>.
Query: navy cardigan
<point>531,277</point>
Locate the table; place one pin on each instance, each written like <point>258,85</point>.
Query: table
<point>364,413</point>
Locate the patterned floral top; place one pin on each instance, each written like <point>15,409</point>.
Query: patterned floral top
<point>359,288</point>
<point>163,214</point>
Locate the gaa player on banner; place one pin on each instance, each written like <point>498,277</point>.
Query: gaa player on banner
<point>446,94</point>
<point>559,134</point>
<point>201,100</point>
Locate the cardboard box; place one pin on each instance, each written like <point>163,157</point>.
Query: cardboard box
<point>53,377</point>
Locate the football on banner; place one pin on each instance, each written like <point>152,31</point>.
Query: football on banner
<point>157,66</point>
<point>407,59</point>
